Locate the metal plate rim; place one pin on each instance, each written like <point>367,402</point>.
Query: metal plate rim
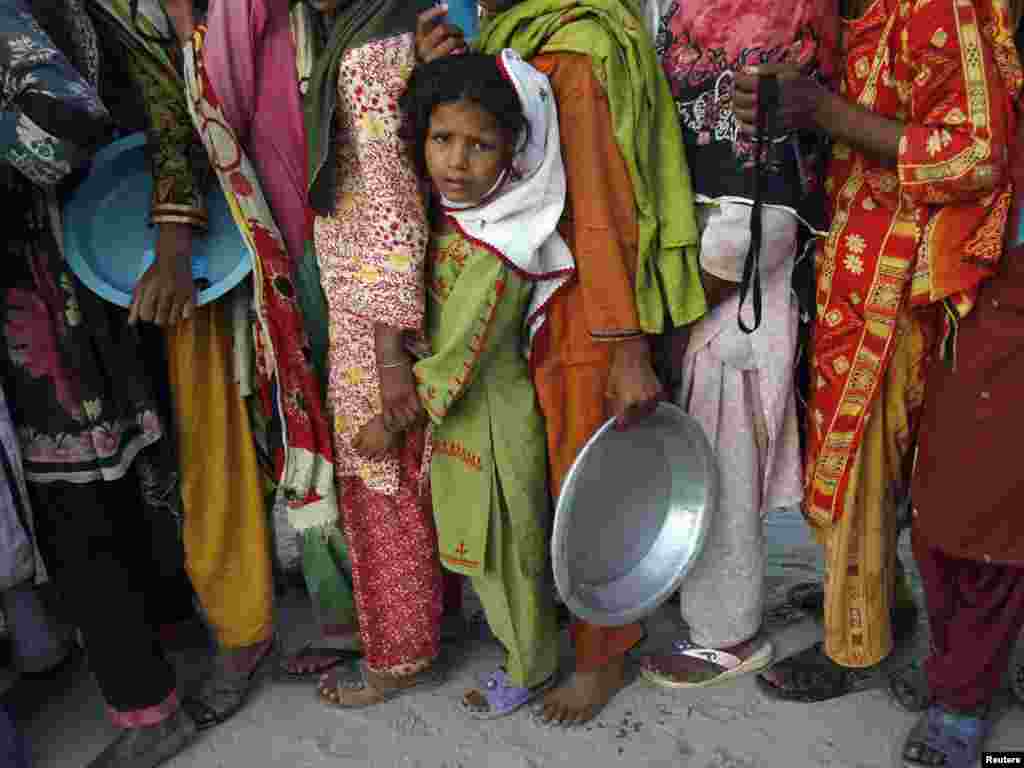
<point>563,524</point>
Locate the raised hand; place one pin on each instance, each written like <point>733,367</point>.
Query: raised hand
<point>435,38</point>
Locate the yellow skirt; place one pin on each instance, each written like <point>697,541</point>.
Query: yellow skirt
<point>226,529</point>
<point>860,548</point>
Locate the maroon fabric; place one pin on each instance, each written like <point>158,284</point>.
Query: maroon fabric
<point>972,421</point>
<point>975,611</point>
<point>968,485</point>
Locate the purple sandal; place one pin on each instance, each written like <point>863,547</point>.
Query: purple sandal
<point>956,737</point>
<point>502,697</point>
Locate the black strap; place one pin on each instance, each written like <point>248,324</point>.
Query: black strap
<point>767,101</point>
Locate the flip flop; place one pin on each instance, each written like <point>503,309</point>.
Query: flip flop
<point>812,677</point>
<point>957,737</point>
<point>332,657</point>
<point>908,687</point>
<point>732,666</point>
<point>224,686</point>
<point>428,679</point>
<point>503,698</point>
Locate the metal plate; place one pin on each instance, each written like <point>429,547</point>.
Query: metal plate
<point>108,242</point>
<point>633,516</point>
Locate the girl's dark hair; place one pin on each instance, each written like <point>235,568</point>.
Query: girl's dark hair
<point>472,76</point>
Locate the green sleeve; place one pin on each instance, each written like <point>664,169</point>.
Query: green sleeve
<point>179,163</point>
<point>483,308</point>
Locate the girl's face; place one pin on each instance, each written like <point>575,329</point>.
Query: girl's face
<point>466,151</point>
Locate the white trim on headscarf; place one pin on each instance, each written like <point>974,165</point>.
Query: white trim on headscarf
<point>518,219</point>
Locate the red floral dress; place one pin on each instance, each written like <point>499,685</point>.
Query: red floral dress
<point>371,253</point>
<point>926,229</point>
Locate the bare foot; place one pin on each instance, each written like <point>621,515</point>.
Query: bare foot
<point>687,669</point>
<point>582,697</point>
<point>377,689</point>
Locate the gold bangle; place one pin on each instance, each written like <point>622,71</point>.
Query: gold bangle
<point>393,364</point>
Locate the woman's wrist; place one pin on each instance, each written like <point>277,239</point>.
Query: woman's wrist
<point>849,123</point>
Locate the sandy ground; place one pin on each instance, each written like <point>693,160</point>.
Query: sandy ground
<point>731,726</point>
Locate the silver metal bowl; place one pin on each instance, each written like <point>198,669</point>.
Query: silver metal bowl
<point>632,517</point>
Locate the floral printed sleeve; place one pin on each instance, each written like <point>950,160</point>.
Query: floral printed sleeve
<point>953,148</point>
<point>180,167</point>
<point>388,268</point>
<point>52,119</point>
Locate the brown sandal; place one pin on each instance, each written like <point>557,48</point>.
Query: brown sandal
<point>333,685</point>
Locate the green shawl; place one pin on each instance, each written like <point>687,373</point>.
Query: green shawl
<point>148,28</point>
<point>646,130</point>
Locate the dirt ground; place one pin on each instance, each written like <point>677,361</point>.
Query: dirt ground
<point>731,726</point>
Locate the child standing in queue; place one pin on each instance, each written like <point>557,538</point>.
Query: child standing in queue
<point>486,136</point>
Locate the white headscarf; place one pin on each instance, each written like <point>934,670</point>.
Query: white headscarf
<point>517,220</point>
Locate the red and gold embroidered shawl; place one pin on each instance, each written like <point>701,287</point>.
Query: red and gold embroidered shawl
<point>926,229</point>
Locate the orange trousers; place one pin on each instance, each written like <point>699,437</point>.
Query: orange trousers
<point>572,398</point>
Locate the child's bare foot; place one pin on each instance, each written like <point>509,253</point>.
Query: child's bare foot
<point>582,697</point>
<point>374,440</point>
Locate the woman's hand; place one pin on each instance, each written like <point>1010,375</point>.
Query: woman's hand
<point>805,104</point>
<point>374,440</point>
<point>800,99</point>
<point>436,38</point>
<point>166,293</point>
<point>633,387</point>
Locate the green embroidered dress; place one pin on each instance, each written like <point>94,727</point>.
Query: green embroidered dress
<point>488,470</point>
<point>488,435</point>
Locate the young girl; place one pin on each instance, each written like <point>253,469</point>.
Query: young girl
<point>486,135</point>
